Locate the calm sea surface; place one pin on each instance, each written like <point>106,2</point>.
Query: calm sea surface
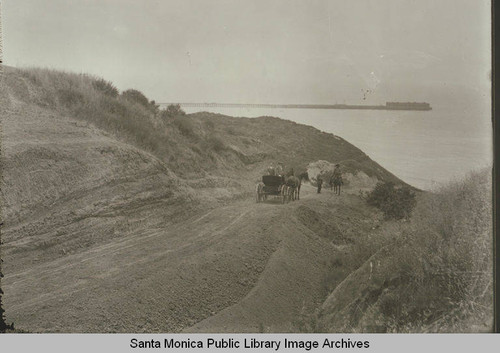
<point>424,148</point>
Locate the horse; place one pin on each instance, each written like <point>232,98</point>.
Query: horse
<point>337,183</point>
<point>294,183</point>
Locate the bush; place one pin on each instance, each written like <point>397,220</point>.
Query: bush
<point>136,96</point>
<point>129,117</point>
<point>105,87</point>
<point>444,256</point>
<point>395,203</point>
<point>215,143</point>
<point>185,127</point>
<point>155,107</point>
<point>172,110</point>
<point>210,124</point>
<point>70,97</point>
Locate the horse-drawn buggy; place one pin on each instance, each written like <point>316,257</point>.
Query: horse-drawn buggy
<point>286,189</point>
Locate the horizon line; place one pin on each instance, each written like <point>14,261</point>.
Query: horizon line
<point>386,106</point>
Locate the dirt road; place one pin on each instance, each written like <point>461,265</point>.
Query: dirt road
<point>123,246</point>
<point>240,267</point>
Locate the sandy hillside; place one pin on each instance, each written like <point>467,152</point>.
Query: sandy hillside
<point>243,267</point>
<point>107,231</point>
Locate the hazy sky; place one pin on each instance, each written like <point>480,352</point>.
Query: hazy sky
<point>259,51</point>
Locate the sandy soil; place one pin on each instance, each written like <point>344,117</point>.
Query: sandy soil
<point>242,267</point>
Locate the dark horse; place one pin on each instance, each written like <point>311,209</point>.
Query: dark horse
<point>294,183</point>
<point>337,183</point>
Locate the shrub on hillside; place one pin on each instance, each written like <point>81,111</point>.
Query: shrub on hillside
<point>444,260</point>
<point>135,96</point>
<point>105,87</point>
<point>172,111</point>
<point>129,116</point>
<point>210,124</point>
<point>185,127</point>
<point>436,271</point>
<point>215,143</point>
<point>155,107</point>
<point>70,97</point>
<point>394,202</point>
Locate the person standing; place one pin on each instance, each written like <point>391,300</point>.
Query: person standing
<point>337,179</point>
<point>320,184</point>
<point>337,172</point>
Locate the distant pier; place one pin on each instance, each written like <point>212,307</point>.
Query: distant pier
<point>387,106</point>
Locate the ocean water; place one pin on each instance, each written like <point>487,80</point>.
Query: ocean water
<point>423,148</point>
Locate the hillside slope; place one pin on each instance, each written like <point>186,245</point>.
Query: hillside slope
<point>134,222</point>
<point>295,145</point>
<point>221,149</point>
<point>68,185</point>
<point>434,275</point>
